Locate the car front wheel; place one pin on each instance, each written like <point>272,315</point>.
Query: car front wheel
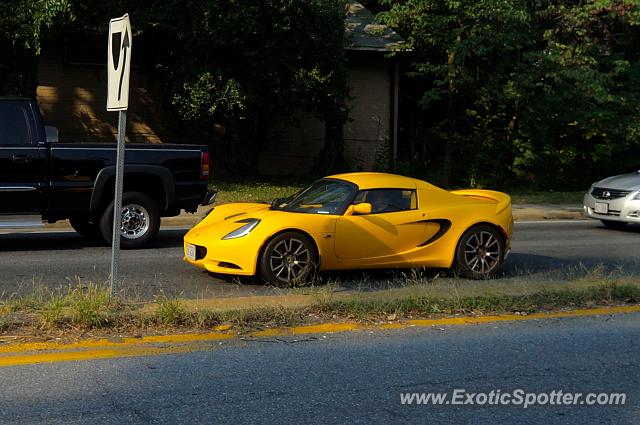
<point>480,252</point>
<point>140,220</point>
<point>288,259</point>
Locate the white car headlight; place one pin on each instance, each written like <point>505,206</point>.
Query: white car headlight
<point>244,230</point>
<point>637,197</point>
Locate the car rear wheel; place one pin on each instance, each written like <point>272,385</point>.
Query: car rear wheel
<point>85,227</point>
<point>480,252</point>
<point>288,259</point>
<point>140,220</point>
<point>613,224</point>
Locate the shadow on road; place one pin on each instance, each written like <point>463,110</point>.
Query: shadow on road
<point>61,241</point>
<point>521,264</point>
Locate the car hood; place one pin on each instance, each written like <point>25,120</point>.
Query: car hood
<point>629,181</point>
<point>226,218</point>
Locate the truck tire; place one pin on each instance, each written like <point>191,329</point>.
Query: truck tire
<point>85,227</point>
<point>140,220</point>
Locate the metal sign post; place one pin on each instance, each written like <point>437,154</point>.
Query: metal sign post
<point>118,71</point>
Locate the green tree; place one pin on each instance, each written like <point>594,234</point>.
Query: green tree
<point>23,24</point>
<point>541,92</point>
<point>583,99</point>
<point>247,66</point>
<point>461,50</point>
<point>241,66</point>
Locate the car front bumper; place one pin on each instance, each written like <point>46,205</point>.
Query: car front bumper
<point>624,209</point>
<point>235,256</point>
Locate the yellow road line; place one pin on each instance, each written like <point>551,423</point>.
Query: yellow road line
<point>47,352</point>
<point>67,356</point>
<point>110,343</point>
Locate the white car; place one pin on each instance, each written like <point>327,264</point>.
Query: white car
<point>615,200</point>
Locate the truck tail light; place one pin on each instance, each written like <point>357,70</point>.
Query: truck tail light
<point>204,166</point>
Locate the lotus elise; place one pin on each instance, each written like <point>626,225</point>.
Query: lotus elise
<point>356,221</point>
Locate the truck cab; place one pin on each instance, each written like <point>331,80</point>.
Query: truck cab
<point>44,180</point>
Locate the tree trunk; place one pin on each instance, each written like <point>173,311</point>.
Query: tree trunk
<point>450,141</point>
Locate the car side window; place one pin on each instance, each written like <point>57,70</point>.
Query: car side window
<point>388,200</point>
<point>14,127</point>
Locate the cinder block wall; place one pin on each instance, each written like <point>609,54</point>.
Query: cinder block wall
<point>73,98</point>
<point>368,129</point>
<point>293,150</point>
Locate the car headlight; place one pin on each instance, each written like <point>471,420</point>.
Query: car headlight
<point>244,230</point>
<point>637,197</point>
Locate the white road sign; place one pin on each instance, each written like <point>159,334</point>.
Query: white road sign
<point>119,64</point>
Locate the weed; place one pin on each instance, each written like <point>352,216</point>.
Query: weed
<point>170,311</point>
<point>52,312</point>
<point>89,305</point>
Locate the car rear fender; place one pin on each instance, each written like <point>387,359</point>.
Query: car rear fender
<point>502,200</point>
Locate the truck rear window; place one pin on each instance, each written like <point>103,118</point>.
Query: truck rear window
<point>14,127</point>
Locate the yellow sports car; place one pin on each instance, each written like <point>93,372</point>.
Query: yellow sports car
<point>356,221</point>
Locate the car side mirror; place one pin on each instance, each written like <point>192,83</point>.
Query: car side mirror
<point>362,208</point>
<point>52,134</point>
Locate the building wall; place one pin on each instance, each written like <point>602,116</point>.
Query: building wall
<point>73,98</point>
<point>294,146</point>
<point>366,135</point>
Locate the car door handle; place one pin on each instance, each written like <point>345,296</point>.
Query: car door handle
<point>22,159</point>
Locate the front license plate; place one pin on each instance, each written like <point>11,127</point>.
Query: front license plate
<point>190,252</point>
<point>601,208</point>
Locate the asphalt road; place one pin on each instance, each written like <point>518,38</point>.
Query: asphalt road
<point>540,249</point>
<point>353,378</point>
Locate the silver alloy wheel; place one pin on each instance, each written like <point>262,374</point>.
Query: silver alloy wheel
<point>135,221</point>
<point>289,260</point>
<point>482,252</point>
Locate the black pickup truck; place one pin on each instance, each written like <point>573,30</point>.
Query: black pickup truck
<point>43,180</point>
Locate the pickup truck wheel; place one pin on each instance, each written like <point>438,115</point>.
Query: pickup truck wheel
<point>140,220</point>
<point>85,227</point>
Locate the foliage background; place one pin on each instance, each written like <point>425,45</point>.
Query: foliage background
<point>530,93</point>
<point>233,69</point>
<point>534,93</point>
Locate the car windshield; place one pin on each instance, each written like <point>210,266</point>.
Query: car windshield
<point>322,197</point>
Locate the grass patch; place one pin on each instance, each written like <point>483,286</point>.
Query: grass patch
<point>52,311</point>
<point>170,311</point>
<point>88,307</point>
<point>421,306</point>
<point>254,191</point>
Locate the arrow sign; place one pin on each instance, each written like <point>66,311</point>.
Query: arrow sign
<point>125,46</point>
<point>118,67</point>
<point>119,64</point>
